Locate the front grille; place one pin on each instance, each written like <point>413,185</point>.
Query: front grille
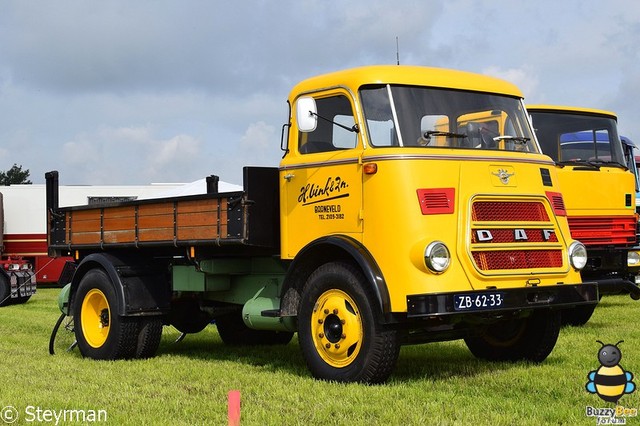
<point>514,235</point>
<point>505,211</point>
<point>518,259</point>
<point>603,230</point>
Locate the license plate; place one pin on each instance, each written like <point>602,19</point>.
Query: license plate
<point>478,301</point>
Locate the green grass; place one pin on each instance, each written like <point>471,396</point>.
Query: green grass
<point>188,382</point>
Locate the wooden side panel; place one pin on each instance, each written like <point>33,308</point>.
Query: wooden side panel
<point>171,221</point>
<point>201,219</point>
<point>83,227</point>
<point>156,222</point>
<point>119,225</point>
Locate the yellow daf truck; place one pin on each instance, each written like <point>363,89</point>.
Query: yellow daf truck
<point>598,190</point>
<point>390,220</point>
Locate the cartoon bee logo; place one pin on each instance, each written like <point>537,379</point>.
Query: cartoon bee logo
<point>610,381</point>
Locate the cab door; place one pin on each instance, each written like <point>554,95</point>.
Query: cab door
<point>320,176</point>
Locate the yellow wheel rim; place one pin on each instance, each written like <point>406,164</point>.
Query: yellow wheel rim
<point>95,317</point>
<point>336,328</point>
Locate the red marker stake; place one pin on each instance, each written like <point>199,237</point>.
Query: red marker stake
<point>233,408</point>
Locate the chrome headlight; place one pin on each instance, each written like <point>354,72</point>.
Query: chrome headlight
<point>633,259</point>
<point>577,255</point>
<point>437,257</point>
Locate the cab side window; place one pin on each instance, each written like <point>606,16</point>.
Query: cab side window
<point>334,114</point>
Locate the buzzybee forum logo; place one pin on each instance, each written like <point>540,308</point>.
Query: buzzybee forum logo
<point>610,382</point>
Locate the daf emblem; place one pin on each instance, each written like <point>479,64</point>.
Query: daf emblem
<point>503,175</point>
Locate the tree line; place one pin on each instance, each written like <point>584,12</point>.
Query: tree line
<point>15,175</point>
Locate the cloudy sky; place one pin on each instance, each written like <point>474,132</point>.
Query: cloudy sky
<point>134,92</point>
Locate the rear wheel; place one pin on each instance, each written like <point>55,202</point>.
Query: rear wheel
<point>149,336</point>
<point>233,331</point>
<point>101,333</point>
<point>339,336</point>
<point>531,338</point>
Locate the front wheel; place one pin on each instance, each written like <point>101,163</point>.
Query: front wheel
<point>578,315</point>
<point>531,338</point>
<point>338,333</point>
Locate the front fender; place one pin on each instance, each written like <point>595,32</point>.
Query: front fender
<point>329,249</point>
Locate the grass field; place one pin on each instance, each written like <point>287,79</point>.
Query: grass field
<point>188,382</point>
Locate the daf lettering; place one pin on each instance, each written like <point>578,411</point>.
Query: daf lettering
<point>520,235</point>
<point>484,235</point>
<point>546,233</point>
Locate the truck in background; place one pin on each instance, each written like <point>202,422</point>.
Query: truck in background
<point>632,161</point>
<point>382,226</point>
<point>598,191</point>
<point>17,276</point>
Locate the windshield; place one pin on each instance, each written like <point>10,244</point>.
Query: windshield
<point>578,138</point>
<point>407,116</point>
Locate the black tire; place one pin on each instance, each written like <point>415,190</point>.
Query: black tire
<point>149,336</point>
<point>578,315</point>
<point>5,292</point>
<point>339,336</point>
<point>532,338</point>
<point>101,333</point>
<point>187,317</point>
<point>233,331</point>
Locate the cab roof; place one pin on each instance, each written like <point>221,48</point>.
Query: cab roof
<point>354,78</point>
<point>570,110</point>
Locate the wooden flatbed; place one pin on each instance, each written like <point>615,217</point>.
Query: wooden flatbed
<point>247,218</point>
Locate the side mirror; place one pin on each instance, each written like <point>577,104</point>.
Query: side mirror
<point>306,114</point>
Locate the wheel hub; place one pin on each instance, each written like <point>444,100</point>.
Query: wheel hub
<point>333,328</point>
<point>104,318</point>
<point>336,328</point>
<point>95,318</point>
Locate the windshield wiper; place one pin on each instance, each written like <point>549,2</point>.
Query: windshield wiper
<point>427,135</point>
<point>579,164</point>
<point>591,164</point>
<point>519,139</point>
<point>601,163</point>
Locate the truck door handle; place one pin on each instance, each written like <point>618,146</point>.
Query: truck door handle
<point>288,177</point>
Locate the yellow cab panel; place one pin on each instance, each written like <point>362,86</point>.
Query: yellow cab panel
<point>322,185</point>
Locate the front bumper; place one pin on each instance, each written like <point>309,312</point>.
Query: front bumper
<point>619,286</point>
<point>557,296</point>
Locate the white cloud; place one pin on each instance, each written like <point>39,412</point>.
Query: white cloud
<point>522,78</point>
<point>259,136</point>
<point>129,154</point>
